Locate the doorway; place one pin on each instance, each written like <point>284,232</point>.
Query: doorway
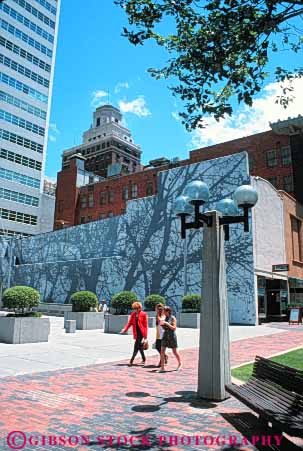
<point>273,303</point>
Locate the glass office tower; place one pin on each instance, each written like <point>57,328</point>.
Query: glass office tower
<point>28,37</point>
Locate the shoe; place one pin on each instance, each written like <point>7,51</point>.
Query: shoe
<point>179,367</point>
<point>165,359</point>
<point>130,363</point>
<point>161,371</point>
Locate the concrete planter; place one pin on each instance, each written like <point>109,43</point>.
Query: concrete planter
<point>17,330</point>
<point>86,320</point>
<point>53,309</point>
<point>189,320</point>
<point>114,323</point>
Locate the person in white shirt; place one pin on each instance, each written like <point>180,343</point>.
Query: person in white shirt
<point>104,307</point>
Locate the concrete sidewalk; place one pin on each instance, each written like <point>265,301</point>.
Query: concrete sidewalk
<point>94,347</point>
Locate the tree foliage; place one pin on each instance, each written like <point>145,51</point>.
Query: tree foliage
<point>21,298</point>
<point>84,301</point>
<point>219,49</point>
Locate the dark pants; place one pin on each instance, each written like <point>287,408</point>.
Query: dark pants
<point>138,347</point>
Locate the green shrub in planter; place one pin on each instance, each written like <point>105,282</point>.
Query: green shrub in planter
<point>152,300</point>
<point>191,303</point>
<point>84,301</point>
<point>21,299</point>
<point>122,302</point>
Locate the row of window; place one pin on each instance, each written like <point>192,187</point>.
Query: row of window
<point>287,183</point>
<point>108,197</point>
<point>26,22</point>
<point>113,143</point>
<point>25,38</point>
<point>19,178</point>
<point>20,159</point>
<point>17,216</point>
<point>20,122</point>
<point>272,157</point>
<point>21,198</point>
<point>20,141</point>
<point>24,54</point>
<point>10,81</point>
<point>23,70</point>
<point>13,233</point>
<point>36,13</point>
<point>22,105</point>
<point>47,6</point>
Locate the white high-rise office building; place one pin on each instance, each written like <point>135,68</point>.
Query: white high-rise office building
<point>28,37</point>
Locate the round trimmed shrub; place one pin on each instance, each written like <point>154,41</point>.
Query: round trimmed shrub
<point>84,301</point>
<point>21,298</point>
<point>191,303</point>
<point>152,300</point>
<point>122,302</point>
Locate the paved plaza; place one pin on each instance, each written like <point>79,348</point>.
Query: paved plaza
<point>87,347</point>
<point>139,408</point>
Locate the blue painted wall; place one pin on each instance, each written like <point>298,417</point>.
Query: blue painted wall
<point>142,249</point>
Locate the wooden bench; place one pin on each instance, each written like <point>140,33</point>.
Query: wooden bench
<point>275,392</point>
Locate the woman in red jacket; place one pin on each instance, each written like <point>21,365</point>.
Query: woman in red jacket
<point>138,320</point>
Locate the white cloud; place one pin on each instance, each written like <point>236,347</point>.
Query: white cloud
<point>137,107</point>
<point>53,132</point>
<point>97,97</point>
<point>250,120</point>
<point>121,85</point>
<point>176,116</point>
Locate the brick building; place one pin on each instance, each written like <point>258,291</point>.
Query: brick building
<point>83,196</point>
<point>275,155</point>
<point>293,223</point>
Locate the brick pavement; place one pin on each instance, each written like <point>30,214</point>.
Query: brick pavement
<point>114,399</point>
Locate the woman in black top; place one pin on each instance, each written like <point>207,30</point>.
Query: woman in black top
<point>169,339</point>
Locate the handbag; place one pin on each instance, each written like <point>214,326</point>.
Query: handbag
<point>145,345</point>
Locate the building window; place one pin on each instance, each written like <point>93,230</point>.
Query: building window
<point>17,216</point>
<point>89,218</point>
<point>82,220</point>
<point>98,122</point>
<point>111,197</point>
<point>83,202</point>
<point>288,183</point>
<point>125,193</point>
<point>110,214</point>
<point>296,228</point>
<point>91,200</point>
<point>103,198</point>
<point>102,216</point>
<point>149,188</point>
<point>273,181</point>
<point>250,162</point>
<point>271,158</point>
<point>286,156</point>
<point>134,190</point>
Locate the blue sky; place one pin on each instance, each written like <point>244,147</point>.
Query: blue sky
<point>93,58</point>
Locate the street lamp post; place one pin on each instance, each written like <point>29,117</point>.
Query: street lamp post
<point>214,361</point>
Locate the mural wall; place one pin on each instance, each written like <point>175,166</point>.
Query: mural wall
<point>141,250</point>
